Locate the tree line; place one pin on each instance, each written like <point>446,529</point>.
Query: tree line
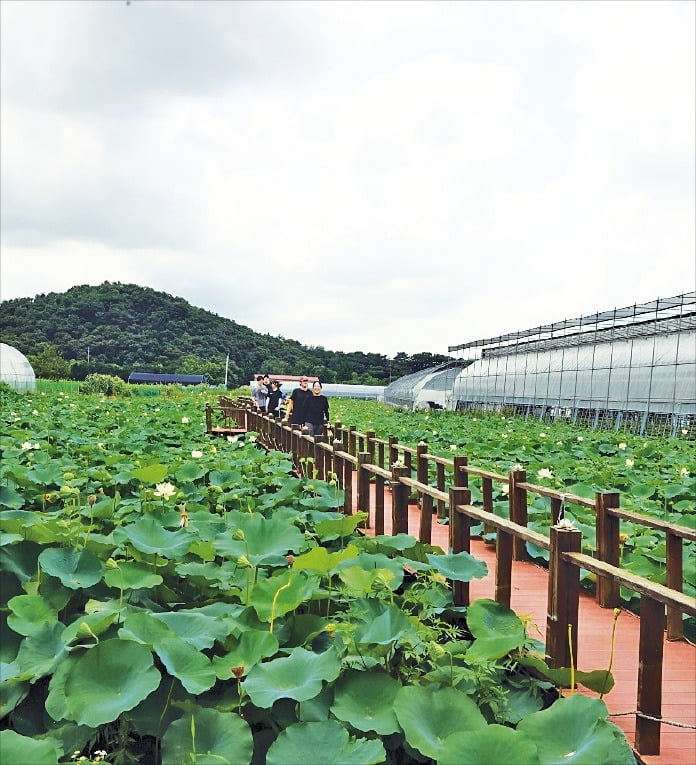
<point>117,328</point>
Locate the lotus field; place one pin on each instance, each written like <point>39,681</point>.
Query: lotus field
<point>170,598</point>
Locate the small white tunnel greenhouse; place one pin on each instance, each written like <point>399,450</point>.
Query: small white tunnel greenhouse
<point>15,369</point>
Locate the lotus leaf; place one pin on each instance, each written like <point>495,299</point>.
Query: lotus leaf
<point>131,575</point>
<point>253,646</point>
<point>428,715</point>
<point>387,626</point>
<point>150,473</point>
<point>19,559</point>
<point>497,629</point>
<point>319,559</point>
<point>575,730</point>
<point>366,701</point>
<point>76,569</point>
<point>460,567</point>
<point>279,594</point>
<point>265,540</point>
<point>599,680</point>
<point>298,676</point>
<point>360,582</point>
<point>495,744</point>
<point>333,528</point>
<point>142,627</point>
<point>188,664</point>
<point>149,536</point>
<point>20,750</point>
<point>327,737</point>
<point>197,627</point>
<point>10,498</point>
<point>207,737</point>
<point>29,614</point>
<point>13,688</point>
<point>97,686</point>
<point>190,472</point>
<point>40,653</point>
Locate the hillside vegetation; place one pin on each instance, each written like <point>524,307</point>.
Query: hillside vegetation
<point>127,328</point>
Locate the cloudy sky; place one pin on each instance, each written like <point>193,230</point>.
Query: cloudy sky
<point>376,176</point>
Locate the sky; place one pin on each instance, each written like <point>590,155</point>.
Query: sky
<point>360,176</point>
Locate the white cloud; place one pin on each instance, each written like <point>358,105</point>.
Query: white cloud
<point>362,176</point>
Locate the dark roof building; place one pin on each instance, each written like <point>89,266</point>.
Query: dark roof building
<point>153,378</point>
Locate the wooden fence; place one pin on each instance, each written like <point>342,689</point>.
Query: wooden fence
<point>441,486</point>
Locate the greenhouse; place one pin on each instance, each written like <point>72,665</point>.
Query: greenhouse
<point>15,369</point>
<point>428,388</point>
<point>629,368</point>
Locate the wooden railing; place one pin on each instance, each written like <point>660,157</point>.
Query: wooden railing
<point>407,472</point>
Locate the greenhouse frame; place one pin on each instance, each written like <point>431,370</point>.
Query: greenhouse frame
<point>15,369</point>
<point>630,368</point>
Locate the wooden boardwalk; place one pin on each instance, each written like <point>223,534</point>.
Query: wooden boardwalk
<point>529,599</point>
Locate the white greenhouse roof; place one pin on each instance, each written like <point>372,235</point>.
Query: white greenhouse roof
<point>15,369</point>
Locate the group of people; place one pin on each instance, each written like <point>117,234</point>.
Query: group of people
<point>304,407</point>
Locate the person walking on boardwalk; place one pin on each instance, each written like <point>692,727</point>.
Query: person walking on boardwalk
<point>296,401</point>
<point>316,411</point>
<point>259,394</point>
<point>274,399</point>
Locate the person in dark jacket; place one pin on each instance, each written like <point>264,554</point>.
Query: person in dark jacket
<point>316,411</point>
<point>274,399</point>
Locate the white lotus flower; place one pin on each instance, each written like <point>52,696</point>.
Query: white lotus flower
<point>685,432</point>
<point>26,446</point>
<point>165,490</point>
<point>232,439</point>
<point>503,435</point>
<point>544,473</point>
<point>580,438</point>
<point>453,447</point>
<point>630,463</point>
<point>184,420</point>
<point>622,446</point>
<point>35,412</point>
<point>684,472</point>
<point>196,454</point>
<point>542,435</point>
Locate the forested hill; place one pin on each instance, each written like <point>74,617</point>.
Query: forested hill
<point>124,327</point>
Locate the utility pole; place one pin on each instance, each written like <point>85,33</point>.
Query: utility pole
<point>227,366</point>
<point>88,355</point>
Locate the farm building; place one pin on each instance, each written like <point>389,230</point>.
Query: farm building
<point>630,368</point>
<point>152,378</point>
<point>15,369</point>
<point>429,388</point>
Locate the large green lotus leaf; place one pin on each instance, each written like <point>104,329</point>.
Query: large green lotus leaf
<point>225,478</point>
<point>371,561</point>
<point>14,688</point>
<point>187,663</point>
<point>319,559</point>
<point>20,559</point>
<point>428,715</point>
<point>575,730</point>
<point>298,744</point>
<point>10,498</point>
<point>224,576</point>
<point>9,539</point>
<point>197,627</point>
<point>302,629</point>
<point>333,528</point>
<point>149,536</point>
<point>86,626</point>
<point>253,646</point>
<point>46,475</point>
<point>142,627</point>
<point>269,599</point>
<point>41,652</point>
<point>190,472</point>
<point>97,686</point>
<point>366,701</point>
<point>29,614</point>
<point>21,750</point>
<point>298,676</point>
<point>494,744</point>
<point>390,625</point>
<point>76,569</point>
<point>497,630</point>
<point>207,737</point>
<point>131,575</point>
<point>460,567</point>
<point>265,539</point>
<point>150,473</point>
<point>359,582</point>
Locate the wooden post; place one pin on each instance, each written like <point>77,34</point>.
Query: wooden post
<point>425,531</point>
<point>607,542</point>
<point>460,525</point>
<point>556,510</point>
<point>652,615</point>
<point>675,578</point>
<point>208,418</point>
<point>352,440</point>
<point>440,470</point>
<point>370,446</point>
<point>393,451</point>
<point>421,462</point>
<point>487,496</point>
<point>460,479</point>
<point>518,511</point>
<point>503,567</point>
<point>399,501</point>
<point>379,504</point>
<point>364,486</point>
<point>347,487</point>
<point>563,598</point>
<point>337,463</point>
<point>338,431</point>
<point>380,455</point>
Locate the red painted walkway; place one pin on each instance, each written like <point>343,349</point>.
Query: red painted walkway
<point>529,593</point>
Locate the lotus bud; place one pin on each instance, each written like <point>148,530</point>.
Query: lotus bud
<point>290,559</point>
<point>244,561</point>
<point>92,499</point>
<point>238,535</point>
<point>238,672</point>
<point>330,630</point>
